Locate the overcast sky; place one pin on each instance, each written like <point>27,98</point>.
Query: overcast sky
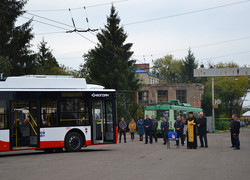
<point>215,35</point>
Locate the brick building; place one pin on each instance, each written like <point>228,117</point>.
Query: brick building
<point>152,92</point>
<point>160,93</point>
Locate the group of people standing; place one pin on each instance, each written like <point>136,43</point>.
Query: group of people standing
<point>192,123</point>
<point>182,127</point>
<point>147,127</point>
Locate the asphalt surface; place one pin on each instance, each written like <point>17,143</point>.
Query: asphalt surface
<point>134,160</point>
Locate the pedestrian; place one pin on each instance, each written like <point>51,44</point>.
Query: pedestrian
<point>236,132</point>
<point>178,125</point>
<point>191,131</point>
<point>202,129</point>
<point>132,129</point>
<point>148,123</point>
<point>164,129</point>
<point>122,126</point>
<point>155,126</point>
<point>231,132</point>
<point>140,128</point>
<point>184,129</point>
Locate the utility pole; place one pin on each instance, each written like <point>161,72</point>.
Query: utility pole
<point>213,114</point>
<point>220,72</point>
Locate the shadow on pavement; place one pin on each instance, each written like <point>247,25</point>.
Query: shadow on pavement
<point>39,152</point>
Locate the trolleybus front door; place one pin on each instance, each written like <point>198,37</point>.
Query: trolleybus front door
<point>25,132</point>
<point>103,122</point>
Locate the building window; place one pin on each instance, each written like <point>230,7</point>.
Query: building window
<point>162,96</point>
<point>181,95</point>
<point>143,97</point>
<point>3,115</point>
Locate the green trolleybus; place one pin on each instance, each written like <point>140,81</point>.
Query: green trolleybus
<point>170,110</point>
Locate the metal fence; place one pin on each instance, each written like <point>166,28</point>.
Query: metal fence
<point>224,123</point>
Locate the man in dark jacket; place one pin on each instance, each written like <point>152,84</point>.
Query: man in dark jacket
<point>231,132</point>
<point>165,128</point>
<point>122,129</point>
<point>178,125</point>
<point>236,132</point>
<point>155,126</point>
<point>202,129</point>
<point>148,125</point>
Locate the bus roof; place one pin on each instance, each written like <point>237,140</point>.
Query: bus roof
<point>48,83</point>
<point>174,107</point>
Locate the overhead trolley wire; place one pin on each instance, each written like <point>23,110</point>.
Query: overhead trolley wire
<point>186,13</point>
<point>233,54</point>
<point>76,8</point>
<point>195,47</point>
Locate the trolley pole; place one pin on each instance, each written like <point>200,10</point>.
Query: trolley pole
<point>213,114</point>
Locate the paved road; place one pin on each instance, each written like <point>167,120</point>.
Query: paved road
<point>134,160</point>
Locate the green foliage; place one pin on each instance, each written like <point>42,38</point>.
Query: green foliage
<point>168,69</point>
<point>5,66</point>
<point>15,40</point>
<point>222,124</point>
<point>229,89</point>
<point>188,69</point>
<point>109,64</point>
<point>46,62</point>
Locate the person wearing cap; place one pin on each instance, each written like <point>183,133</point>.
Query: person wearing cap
<point>191,131</point>
<point>202,129</point>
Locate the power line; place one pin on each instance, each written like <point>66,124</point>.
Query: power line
<point>62,32</point>
<point>186,13</point>
<point>34,20</point>
<point>76,8</point>
<point>233,54</point>
<point>199,46</point>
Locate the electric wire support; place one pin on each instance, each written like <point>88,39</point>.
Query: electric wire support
<point>80,30</point>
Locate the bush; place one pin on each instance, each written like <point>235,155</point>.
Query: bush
<point>222,124</point>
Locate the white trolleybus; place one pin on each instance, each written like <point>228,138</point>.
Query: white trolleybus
<point>55,112</point>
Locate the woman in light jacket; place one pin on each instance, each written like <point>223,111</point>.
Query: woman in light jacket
<point>132,129</point>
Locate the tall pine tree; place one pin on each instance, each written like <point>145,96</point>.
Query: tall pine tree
<point>47,63</point>
<point>109,63</point>
<point>15,40</point>
<point>188,69</point>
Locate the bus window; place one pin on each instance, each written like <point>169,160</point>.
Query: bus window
<point>49,113</point>
<point>183,113</point>
<point>3,115</point>
<point>108,122</point>
<point>176,113</point>
<point>162,114</point>
<point>74,112</point>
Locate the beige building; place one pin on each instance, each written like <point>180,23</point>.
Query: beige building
<point>145,76</point>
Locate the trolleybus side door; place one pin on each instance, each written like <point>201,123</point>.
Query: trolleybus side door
<point>25,131</point>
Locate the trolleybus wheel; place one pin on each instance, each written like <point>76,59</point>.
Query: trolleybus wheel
<point>73,142</point>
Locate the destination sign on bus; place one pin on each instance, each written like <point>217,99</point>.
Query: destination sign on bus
<point>99,95</point>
